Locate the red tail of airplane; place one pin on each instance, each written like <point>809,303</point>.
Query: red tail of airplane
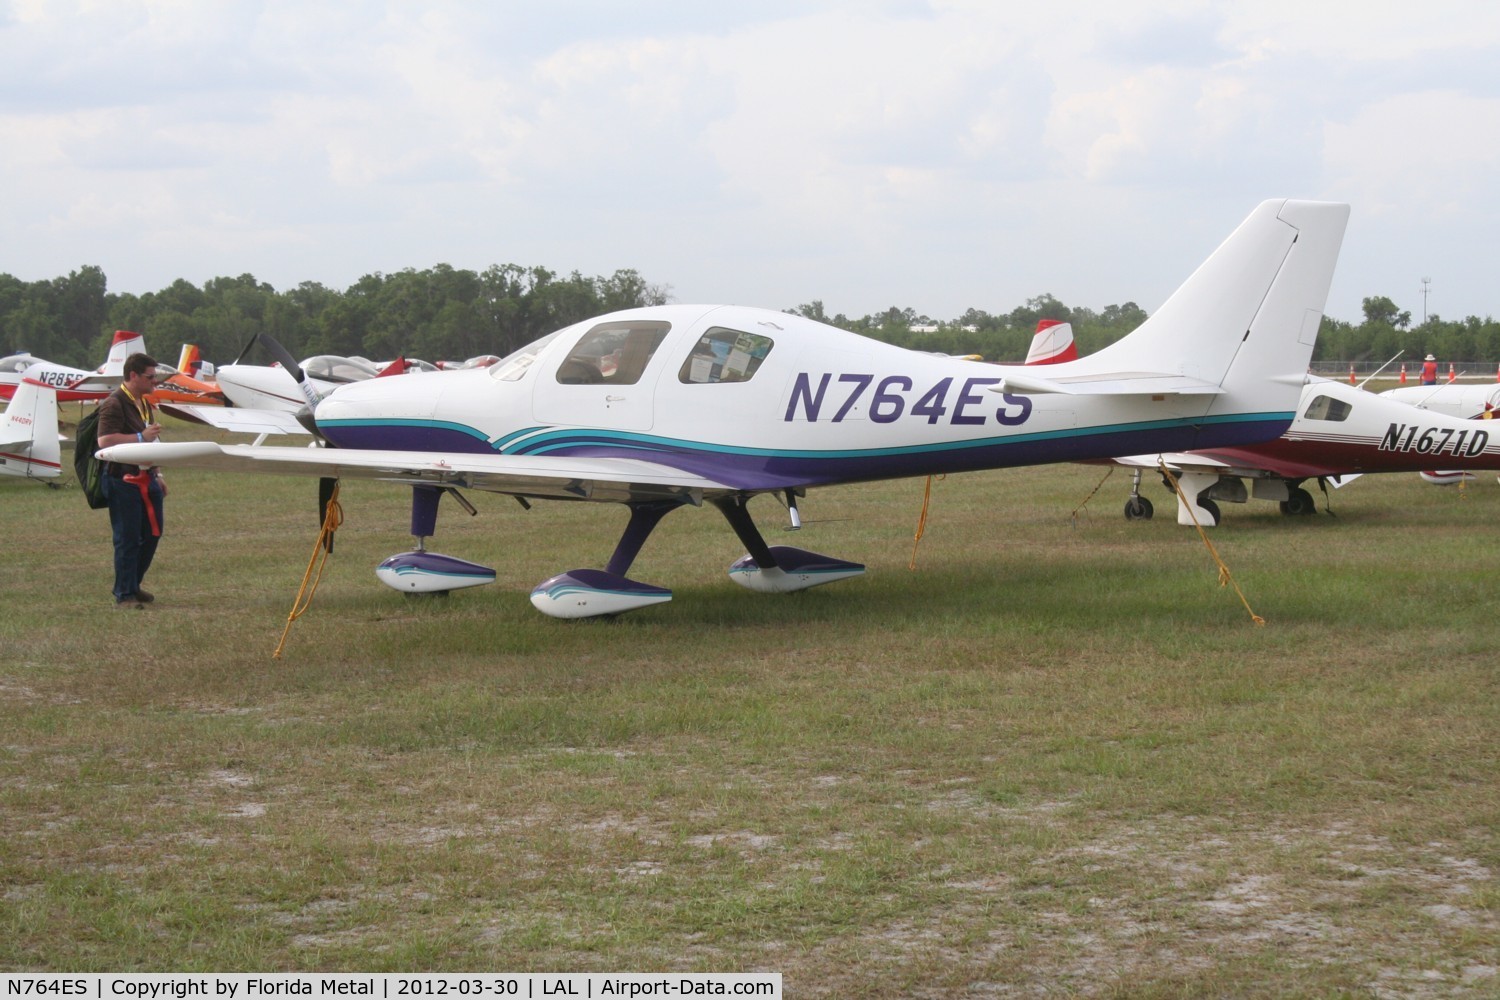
<point>1053,343</point>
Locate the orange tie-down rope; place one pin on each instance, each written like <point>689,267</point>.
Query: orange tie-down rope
<point>333,517</point>
<point>1224,575</point>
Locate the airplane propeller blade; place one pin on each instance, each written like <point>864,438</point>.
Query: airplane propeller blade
<point>309,391</point>
<point>248,344</point>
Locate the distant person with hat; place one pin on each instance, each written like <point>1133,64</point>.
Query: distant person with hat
<point>1429,371</point>
<point>135,495</point>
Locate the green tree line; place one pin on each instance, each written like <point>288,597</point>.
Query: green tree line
<point>444,313</point>
<point>440,313</point>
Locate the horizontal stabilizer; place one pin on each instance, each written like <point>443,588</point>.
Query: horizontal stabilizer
<point>1108,384</point>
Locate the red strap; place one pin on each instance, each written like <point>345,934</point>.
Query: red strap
<point>143,481</point>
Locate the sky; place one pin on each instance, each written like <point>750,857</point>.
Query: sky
<point>940,155</point>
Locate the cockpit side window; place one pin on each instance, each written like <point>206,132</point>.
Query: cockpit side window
<point>724,355</point>
<point>1328,408</point>
<point>613,354</point>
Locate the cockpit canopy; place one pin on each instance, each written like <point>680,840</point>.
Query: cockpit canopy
<point>333,368</point>
<point>617,353</point>
<point>18,362</point>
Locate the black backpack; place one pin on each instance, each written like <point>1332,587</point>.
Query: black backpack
<point>88,469</point>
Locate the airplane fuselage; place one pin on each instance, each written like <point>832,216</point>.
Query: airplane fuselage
<point>810,405</point>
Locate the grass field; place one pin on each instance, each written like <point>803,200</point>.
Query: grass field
<point>1057,758</point>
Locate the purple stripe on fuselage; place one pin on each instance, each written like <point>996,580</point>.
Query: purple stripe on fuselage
<point>760,471</point>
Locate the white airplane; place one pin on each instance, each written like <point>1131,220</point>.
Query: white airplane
<point>72,383</point>
<point>1464,400</point>
<point>1340,432</point>
<point>265,399</point>
<point>719,404</point>
<point>28,430</point>
<point>272,387</point>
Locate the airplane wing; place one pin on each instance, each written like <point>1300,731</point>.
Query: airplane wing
<point>1230,461</point>
<point>239,419</point>
<point>561,477</point>
<point>1108,384</point>
<point>96,383</point>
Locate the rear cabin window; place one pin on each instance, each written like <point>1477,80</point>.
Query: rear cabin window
<point>613,354</point>
<point>1328,408</point>
<point>723,355</point>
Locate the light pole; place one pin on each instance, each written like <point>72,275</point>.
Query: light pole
<point>1426,283</point>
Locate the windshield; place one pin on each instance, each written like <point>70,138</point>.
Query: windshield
<point>514,365</point>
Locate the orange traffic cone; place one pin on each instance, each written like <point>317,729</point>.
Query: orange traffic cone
<point>1351,374</point>
<point>1403,374</point>
<point>1451,373</point>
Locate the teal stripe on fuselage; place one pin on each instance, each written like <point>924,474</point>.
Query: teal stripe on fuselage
<point>445,425</point>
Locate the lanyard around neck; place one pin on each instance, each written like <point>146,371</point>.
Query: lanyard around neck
<point>141,406</point>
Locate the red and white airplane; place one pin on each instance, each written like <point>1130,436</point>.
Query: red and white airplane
<point>72,383</point>
<point>28,431</point>
<point>1340,432</point>
<point>715,405</point>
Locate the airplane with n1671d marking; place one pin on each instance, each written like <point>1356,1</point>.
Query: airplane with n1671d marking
<point>1341,432</point>
<point>672,406</point>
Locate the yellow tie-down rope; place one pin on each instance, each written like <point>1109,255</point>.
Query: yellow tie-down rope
<point>1077,510</point>
<point>921,522</point>
<point>332,518</point>
<point>1224,574</point>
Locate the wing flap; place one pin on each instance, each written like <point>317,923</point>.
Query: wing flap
<point>558,477</point>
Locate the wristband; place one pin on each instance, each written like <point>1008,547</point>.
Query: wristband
<point>138,436</point>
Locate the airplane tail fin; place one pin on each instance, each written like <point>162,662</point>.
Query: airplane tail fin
<point>1052,344</point>
<point>190,360</point>
<point>123,346</point>
<point>1247,319</point>
<point>28,431</point>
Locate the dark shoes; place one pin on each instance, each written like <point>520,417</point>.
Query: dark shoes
<point>135,602</point>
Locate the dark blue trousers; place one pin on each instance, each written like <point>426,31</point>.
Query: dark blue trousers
<point>135,545</point>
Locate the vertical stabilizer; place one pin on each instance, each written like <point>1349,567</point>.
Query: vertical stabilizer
<point>1247,319</point>
<point>1053,343</point>
<point>124,345</point>
<point>28,431</point>
<point>190,360</point>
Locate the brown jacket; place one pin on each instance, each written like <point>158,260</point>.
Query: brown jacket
<point>119,414</point>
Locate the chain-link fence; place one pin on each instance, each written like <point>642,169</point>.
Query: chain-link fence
<point>1463,371</point>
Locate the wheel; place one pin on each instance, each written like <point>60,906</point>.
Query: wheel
<point>1298,503</point>
<point>1138,509</point>
<point>1213,512</point>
